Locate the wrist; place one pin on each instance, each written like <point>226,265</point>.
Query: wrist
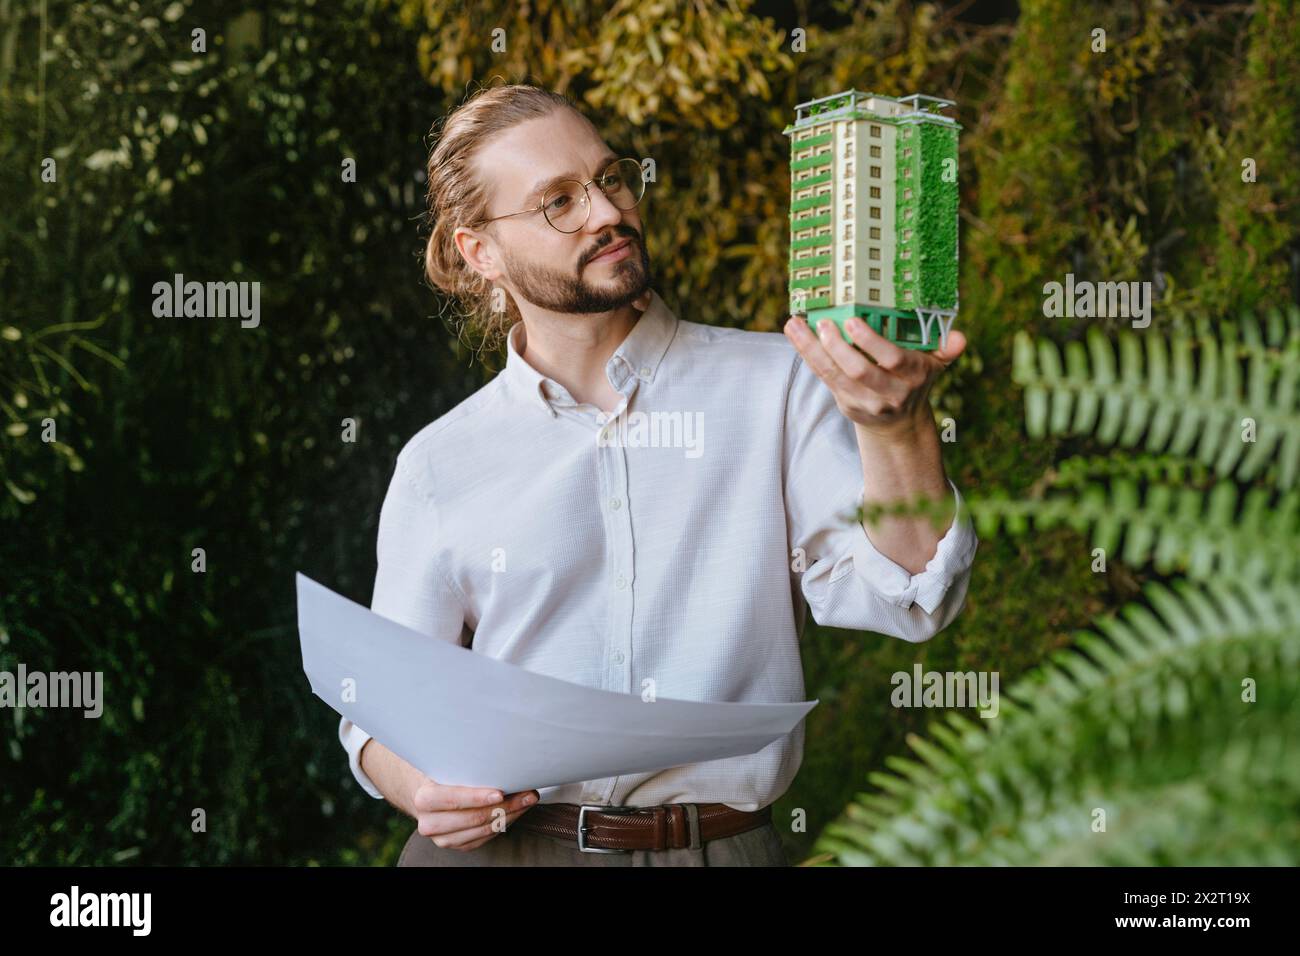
<point>906,431</point>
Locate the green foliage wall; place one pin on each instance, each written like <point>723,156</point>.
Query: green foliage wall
<point>936,218</point>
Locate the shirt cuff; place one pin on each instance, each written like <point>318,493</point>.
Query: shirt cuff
<point>927,588</point>
<point>353,739</point>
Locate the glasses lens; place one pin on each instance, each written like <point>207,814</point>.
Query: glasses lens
<point>565,206</point>
<point>623,184</point>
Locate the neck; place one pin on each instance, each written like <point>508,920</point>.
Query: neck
<point>574,349</point>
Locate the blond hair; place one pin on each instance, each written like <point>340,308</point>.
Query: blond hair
<point>456,197</point>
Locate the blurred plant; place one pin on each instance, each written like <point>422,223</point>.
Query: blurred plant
<point>1171,741</point>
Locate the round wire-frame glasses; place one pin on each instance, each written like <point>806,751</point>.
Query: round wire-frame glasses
<point>567,204</point>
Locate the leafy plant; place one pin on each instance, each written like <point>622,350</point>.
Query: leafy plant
<point>1169,738</point>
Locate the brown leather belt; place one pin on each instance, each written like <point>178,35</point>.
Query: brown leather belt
<point>598,829</point>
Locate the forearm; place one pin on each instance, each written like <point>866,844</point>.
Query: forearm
<point>903,463</point>
<point>396,779</point>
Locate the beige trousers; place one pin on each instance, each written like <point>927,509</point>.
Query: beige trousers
<point>519,847</point>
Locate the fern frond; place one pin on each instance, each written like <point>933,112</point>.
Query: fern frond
<point>1081,470</point>
<point>1205,534</point>
<point>1148,732</point>
<point>1189,395</point>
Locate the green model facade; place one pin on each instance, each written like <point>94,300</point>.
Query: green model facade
<point>873,214</point>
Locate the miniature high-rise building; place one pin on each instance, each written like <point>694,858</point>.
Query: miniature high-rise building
<point>873,214</point>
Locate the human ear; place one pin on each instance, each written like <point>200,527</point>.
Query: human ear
<point>477,252</point>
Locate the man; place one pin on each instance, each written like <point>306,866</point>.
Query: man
<point>541,522</point>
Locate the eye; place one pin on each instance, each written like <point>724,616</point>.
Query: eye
<point>557,203</point>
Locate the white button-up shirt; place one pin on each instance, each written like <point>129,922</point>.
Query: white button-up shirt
<point>669,549</point>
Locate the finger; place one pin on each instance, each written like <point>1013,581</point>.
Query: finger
<point>432,796</point>
<point>888,356</point>
<point>450,822</point>
<point>461,839</point>
<point>445,822</point>
<point>475,844</point>
<point>850,360</point>
<point>820,361</point>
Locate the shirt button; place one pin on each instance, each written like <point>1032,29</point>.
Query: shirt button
<point>615,504</point>
<point>620,582</point>
<point>645,371</point>
<point>618,657</point>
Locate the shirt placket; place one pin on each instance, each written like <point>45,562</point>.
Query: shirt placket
<point>611,469</point>
<point>618,523</point>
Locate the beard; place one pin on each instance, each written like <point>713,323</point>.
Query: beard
<point>570,292</point>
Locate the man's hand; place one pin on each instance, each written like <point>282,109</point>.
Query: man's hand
<point>464,818</point>
<point>888,402</point>
<point>457,818</point>
<point>886,396</point>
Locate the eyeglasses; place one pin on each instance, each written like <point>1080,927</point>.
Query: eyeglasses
<point>567,204</point>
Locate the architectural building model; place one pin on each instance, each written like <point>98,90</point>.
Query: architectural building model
<point>873,214</point>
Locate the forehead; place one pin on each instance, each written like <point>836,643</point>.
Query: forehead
<point>561,143</point>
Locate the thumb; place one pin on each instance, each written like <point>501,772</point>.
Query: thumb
<point>949,351</point>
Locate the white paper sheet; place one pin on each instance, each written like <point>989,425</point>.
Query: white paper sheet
<point>467,719</point>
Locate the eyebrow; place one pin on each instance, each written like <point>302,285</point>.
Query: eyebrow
<point>540,189</point>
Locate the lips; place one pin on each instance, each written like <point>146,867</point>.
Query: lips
<point>614,248</point>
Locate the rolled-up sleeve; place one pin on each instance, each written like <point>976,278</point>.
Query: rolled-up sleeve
<point>353,739</point>
<point>846,580</point>
<point>410,587</point>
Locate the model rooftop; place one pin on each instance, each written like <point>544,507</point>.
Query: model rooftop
<point>851,104</point>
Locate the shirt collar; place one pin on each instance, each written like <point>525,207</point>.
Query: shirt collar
<point>640,355</point>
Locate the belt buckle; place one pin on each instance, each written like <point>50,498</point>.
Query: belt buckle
<point>582,813</point>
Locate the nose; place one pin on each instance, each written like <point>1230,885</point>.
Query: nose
<point>603,213</point>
